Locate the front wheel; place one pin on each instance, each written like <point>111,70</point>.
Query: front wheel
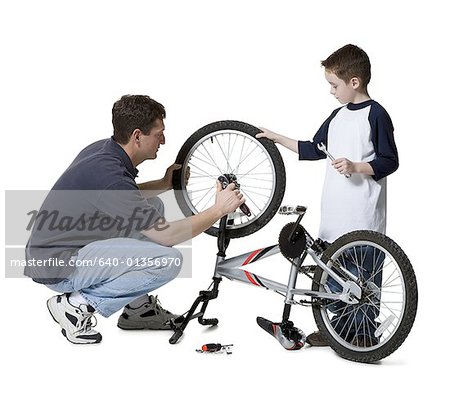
<point>379,323</point>
<point>230,149</point>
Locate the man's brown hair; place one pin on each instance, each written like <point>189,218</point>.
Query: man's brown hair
<point>348,62</point>
<point>135,112</point>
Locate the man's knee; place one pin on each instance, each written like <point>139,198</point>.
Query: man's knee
<point>173,260</point>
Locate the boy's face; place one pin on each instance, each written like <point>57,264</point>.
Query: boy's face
<point>343,92</point>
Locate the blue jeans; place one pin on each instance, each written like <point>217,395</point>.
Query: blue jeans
<point>351,321</point>
<point>111,273</point>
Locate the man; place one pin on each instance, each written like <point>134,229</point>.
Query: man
<point>112,245</point>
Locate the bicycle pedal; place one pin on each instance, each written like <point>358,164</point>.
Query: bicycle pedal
<point>175,323</point>
<point>208,322</point>
<point>308,269</point>
<point>287,335</point>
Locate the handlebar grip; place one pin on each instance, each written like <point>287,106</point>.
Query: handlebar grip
<point>244,208</point>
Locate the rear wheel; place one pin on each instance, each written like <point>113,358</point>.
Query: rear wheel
<point>379,323</point>
<point>229,148</point>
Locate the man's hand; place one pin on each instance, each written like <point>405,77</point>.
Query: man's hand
<point>168,177</point>
<point>187,175</point>
<point>167,180</point>
<point>228,199</point>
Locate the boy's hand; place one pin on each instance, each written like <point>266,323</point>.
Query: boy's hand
<point>344,166</point>
<point>268,134</point>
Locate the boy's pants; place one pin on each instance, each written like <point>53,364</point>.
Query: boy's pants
<point>351,321</point>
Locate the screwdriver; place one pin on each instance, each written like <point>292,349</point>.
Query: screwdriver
<point>214,347</point>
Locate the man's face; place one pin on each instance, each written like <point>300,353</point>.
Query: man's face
<point>150,142</point>
<point>343,92</point>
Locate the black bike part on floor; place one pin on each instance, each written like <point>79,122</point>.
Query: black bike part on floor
<point>204,298</point>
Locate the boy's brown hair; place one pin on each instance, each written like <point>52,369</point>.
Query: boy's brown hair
<point>348,62</point>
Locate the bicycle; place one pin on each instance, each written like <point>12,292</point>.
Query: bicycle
<point>364,291</point>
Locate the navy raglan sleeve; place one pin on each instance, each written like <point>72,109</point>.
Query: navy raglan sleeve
<point>382,135</point>
<point>307,150</point>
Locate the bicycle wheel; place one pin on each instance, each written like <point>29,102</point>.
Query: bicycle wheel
<point>229,148</point>
<point>379,323</point>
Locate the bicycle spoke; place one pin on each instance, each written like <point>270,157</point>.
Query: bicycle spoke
<point>376,317</point>
<point>231,152</point>
<point>210,156</point>
<point>206,173</point>
<point>206,162</point>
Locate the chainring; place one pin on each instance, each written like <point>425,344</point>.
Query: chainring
<point>294,248</point>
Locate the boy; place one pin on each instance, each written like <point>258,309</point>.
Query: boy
<point>361,135</point>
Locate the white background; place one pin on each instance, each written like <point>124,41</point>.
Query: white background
<point>65,63</point>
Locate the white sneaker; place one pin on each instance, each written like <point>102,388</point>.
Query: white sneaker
<point>75,322</point>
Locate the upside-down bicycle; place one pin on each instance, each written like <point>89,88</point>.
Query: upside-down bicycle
<point>364,291</point>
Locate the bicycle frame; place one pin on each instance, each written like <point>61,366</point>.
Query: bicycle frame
<point>232,269</point>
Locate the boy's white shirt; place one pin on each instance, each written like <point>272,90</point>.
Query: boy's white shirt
<point>358,202</point>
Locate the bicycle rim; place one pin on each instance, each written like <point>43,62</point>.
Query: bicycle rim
<point>236,153</point>
<point>389,299</point>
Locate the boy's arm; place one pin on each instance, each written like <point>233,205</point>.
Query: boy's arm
<point>306,150</point>
<point>386,156</point>
<point>287,142</point>
<point>382,136</point>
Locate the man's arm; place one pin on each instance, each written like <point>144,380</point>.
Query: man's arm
<point>153,188</point>
<point>169,234</point>
<point>158,186</point>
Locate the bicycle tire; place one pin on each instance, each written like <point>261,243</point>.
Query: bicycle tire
<point>384,344</point>
<point>247,132</point>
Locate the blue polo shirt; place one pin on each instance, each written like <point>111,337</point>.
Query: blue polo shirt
<point>96,198</point>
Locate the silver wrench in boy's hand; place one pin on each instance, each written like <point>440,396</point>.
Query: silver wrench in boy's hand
<point>323,148</point>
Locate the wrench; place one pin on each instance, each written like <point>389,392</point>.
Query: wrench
<point>323,148</point>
